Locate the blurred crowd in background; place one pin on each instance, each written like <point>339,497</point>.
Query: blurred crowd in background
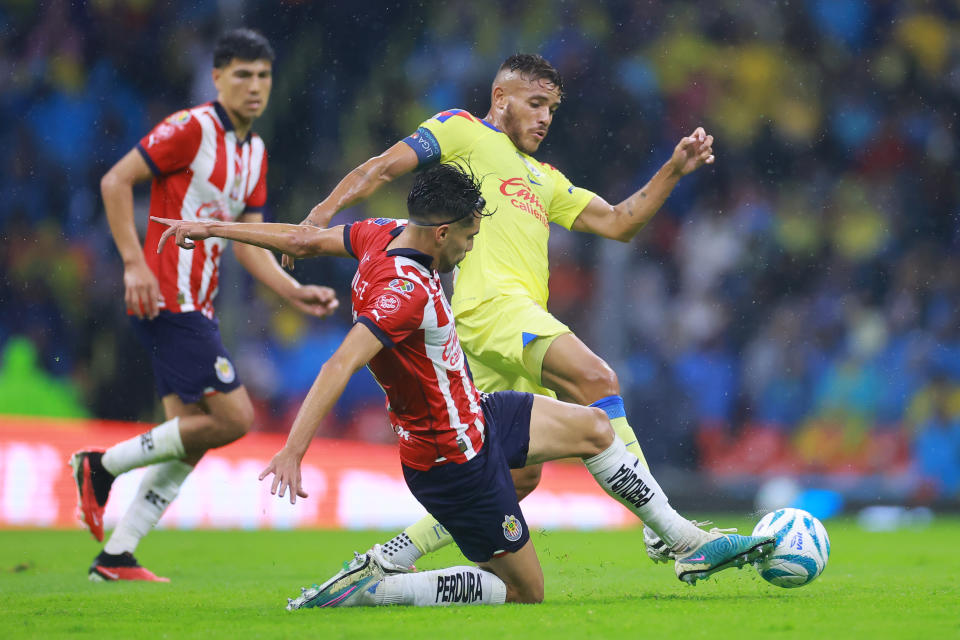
<point>794,308</point>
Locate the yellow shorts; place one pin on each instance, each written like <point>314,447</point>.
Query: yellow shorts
<point>505,339</point>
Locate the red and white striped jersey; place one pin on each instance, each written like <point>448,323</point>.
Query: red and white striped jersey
<point>434,407</point>
<point>201,171</point>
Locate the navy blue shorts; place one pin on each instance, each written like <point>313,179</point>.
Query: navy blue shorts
<point>475,500</point>
<point>188,357</point>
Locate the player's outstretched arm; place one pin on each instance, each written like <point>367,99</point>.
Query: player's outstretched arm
<point>296,240</point>
<point>356,350</point>
<point>141,289</point>
<point>358,185</point>
<point>363,181</point>
<point>623,221</point>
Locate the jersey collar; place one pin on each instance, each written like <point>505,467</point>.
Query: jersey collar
<point>225,120</point>
<point>413,254</point>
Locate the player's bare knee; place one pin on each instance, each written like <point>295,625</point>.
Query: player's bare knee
<point>598,434</point>
<point>602,379</point>
<point>595,380</point>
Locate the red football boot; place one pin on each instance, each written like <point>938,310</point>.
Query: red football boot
<point>110,568</point>
<point>93,488</point>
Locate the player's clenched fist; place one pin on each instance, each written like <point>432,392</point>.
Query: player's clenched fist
<point>315,300</point>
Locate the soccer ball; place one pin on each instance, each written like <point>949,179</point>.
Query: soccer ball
<point>802,548</point>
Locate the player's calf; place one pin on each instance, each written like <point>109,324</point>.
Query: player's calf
<point>229,418</point>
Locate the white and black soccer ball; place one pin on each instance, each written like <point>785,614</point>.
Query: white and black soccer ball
<point>802,550</point>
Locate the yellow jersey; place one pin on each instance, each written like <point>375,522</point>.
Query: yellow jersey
<point>509,255</point>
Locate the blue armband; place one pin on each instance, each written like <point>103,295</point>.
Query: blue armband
<point>425,145</point>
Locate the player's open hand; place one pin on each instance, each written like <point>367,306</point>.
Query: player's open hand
<point>183,230</point>
<point>141,290</point>
<point>693,152</point>
<point>315,300</point>
<point>285,468</point>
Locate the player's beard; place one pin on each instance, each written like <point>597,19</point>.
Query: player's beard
<point>513,126</point>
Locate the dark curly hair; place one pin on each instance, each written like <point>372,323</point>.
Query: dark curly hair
<point>533,67</point>
<point>444,194</point>
<point>241,44</point>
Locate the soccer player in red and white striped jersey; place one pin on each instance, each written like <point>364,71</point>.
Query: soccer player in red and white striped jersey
<point>397,295</point>
<point>457,447</point>
<point>206,164</point>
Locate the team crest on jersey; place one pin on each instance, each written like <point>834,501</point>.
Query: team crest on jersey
<point>225,371</point>
<point>401,286</point>
<point>387,303</point>
<point>512,529</point>
<point>532,168</point>
<point>382,221</point>
<point>180,117</point>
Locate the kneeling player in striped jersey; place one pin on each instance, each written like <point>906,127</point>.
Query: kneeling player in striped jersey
<point>457,446</point>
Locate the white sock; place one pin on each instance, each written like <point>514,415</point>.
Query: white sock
<point>401,550</point>
<point>157,445</point>
<point>442,587</point>
<point>160,485</point>
<point>622,476</point>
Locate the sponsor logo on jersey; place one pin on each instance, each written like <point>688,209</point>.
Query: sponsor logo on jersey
<point>161,133</point>
<point>512,529</point>
<point>382,221</point>
<point>225,371</point>
<point>523,198</point>
<point>213,211</point>
<point>401,432</point>
<point>387,303</point>
<point>401,286</point>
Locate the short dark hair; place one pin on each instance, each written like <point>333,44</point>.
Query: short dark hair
<point>241,44</point>
<point>444,194</point>
<point>533,67</point>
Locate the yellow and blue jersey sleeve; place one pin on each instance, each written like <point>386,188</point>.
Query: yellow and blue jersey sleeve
<point>446,136</point>
<point>568,200</point>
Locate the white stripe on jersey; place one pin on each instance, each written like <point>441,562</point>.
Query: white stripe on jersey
<point>435,338</point>
<point>257,155</point>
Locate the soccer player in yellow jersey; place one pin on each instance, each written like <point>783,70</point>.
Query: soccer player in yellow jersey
<point>500,292</point>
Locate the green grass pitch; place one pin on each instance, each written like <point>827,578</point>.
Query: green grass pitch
<point>599,585</point>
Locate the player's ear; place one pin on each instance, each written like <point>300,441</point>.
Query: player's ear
<point>440,233</point>
<point>497,96</point>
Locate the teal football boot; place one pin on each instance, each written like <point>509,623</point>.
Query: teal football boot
<point>719,552</point>
<point>348,588</point>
